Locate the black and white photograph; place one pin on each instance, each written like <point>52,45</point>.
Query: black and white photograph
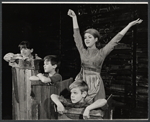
<point>74,60</point>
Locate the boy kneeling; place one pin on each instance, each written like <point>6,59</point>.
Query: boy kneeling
<point>77,100</point>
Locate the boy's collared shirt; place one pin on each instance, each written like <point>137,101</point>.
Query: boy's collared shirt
<point>68,103</point>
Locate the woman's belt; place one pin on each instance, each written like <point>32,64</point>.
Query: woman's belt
<point>90,68</point>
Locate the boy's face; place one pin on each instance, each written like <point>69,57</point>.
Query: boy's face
<point>77,95</point>
<point>25,52</point>
<point>48,67</point>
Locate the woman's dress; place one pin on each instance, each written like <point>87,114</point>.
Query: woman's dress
<point>91,65</point>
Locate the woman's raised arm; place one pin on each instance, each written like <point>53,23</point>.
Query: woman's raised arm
<point>135,22</point>
<point>77,35</point>
<point>72,14</point>
<point>110,46</point>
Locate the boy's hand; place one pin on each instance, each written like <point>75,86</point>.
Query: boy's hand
<point>34,78</point>
<point>60,108</point>
<point>71,13</point>
<point>86,113</point>
<point>138,21</point>
<point>13,64</point>
<point>8,56</point>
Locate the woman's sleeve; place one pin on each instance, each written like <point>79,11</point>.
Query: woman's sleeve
<point>110,46</point>
<point>78,39</point>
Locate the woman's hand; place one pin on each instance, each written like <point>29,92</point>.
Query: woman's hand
<point>124,31</point>
<point>138,21</point>
<point>60,108</point>
<point>86,113</point>
<point>71,13</point>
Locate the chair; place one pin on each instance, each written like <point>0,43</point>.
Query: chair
<point>109,112</point>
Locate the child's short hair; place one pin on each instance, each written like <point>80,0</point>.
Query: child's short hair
<point>82,86</point>
<point>25,44</point>
<point>53,59</point>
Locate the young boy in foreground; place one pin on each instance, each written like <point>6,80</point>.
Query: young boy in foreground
<point>77,99</point>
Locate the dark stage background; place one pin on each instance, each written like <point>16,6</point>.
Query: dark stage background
<point>49,28</point>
